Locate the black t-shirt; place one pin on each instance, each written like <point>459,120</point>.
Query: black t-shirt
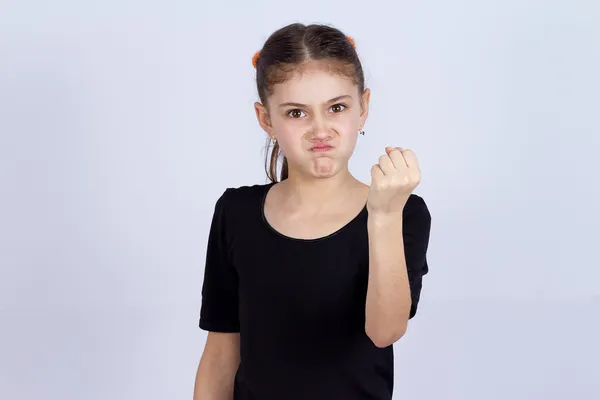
<point>299,305</point>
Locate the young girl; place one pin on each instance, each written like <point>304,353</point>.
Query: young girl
<point>311,278</point>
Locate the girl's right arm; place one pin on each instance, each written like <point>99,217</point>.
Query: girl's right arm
<point>218,366</point>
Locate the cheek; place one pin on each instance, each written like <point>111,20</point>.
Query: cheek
<point>349,127</point>
<point>348,132</point>
<point>349,143</point>
<point>289,136</point>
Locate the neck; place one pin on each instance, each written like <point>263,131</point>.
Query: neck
<point>304,191</point>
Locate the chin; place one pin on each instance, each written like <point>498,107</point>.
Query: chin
<point>324,173</point>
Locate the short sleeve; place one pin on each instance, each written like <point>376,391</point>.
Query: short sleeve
<point>219,309</point>
<point>416,231</point>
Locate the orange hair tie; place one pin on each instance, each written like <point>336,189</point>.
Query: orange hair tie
<point>255,58</point>
<point>351,41</point>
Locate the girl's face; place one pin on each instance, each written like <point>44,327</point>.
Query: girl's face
<point>315,117</point>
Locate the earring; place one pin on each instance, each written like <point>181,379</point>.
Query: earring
<point>361,132</point>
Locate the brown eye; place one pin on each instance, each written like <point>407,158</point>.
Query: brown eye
<point>295,113</point>
<point>338,108</point>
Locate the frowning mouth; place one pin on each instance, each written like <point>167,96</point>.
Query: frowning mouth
<point>321,148</point>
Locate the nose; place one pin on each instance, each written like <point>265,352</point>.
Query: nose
<point>320,131</point>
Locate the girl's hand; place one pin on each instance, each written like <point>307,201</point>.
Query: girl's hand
<point>393,180</point>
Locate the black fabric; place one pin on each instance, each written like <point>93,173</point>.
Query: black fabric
<point>299,305</point>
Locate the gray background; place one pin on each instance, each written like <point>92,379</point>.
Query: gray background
<point>121,122</point>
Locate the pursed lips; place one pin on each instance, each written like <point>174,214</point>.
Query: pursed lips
<point>321,147</point>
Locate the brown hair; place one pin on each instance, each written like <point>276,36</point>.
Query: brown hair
<point>289,47</point>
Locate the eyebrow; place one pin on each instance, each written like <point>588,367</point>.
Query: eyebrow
<point>305,106</point>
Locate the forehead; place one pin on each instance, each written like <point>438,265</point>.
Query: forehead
<point>313,83</point>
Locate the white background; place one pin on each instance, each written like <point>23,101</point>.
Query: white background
<point>121,122</point>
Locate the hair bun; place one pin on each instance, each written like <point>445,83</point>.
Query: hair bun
<point>255,58</point>
<point>351,41</point>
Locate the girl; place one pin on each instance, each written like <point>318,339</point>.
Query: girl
<point>311,278</point>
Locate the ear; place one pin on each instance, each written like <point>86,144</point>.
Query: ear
<point>364,102</point>
<point>262,115</point>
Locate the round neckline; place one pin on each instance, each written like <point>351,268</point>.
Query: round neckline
<point>270,227</point>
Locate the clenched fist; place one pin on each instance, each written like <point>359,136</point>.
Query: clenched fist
<point>393,180</point>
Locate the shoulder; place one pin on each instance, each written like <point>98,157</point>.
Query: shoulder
<point>234,197</point>
<point>242,204</point>
<point>416,208</point>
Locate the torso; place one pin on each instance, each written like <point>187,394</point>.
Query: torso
<point>294,285</point>
<point>302,290</point>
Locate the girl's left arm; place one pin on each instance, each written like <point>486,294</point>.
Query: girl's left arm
<point>398,229</point>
